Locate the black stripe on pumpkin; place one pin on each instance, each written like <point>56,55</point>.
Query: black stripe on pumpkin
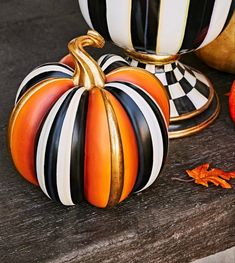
<point>105,58</point>
<point>198,21</point>
<point>98,16</point>
<point>50,165</point>
<point>40,77</point>
<point>118,63</point>
<point>158,115</point>
<point>115,65</point>
<point>143,136</point>
<point>78,150</point>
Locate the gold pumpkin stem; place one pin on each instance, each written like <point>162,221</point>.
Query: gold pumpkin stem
<point>87,73</point>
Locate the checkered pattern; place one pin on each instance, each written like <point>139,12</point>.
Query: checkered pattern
<point>188,89</point>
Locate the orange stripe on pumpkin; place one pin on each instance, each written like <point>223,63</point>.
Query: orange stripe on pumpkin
<point>25,122</point>
<point>97,175</point>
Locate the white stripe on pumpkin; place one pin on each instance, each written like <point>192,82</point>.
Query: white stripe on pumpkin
<point>42,142</point>
<point>64,150</point>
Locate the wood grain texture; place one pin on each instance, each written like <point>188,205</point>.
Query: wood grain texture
<point>170,222</point>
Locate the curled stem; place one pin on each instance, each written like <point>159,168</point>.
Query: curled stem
<point>87,73</point>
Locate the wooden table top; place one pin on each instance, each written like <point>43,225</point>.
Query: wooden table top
<point>170,222</point>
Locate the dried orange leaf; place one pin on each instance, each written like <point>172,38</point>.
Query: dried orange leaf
<point>202,175</point>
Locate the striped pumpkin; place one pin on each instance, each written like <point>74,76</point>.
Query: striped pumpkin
<point>81,134</point>
<point>162,27</point>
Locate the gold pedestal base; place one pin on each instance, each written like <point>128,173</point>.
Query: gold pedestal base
<point>151,59</point>
<point>197,123</point>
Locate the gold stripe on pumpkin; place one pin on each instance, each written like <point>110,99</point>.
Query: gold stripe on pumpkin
<point>117,160</point>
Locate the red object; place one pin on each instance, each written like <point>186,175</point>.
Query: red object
<point>232,102</point>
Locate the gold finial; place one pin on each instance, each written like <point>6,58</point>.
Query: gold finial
<point>87,73</point>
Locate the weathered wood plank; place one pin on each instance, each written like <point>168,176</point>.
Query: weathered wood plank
<point>170,222</point>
